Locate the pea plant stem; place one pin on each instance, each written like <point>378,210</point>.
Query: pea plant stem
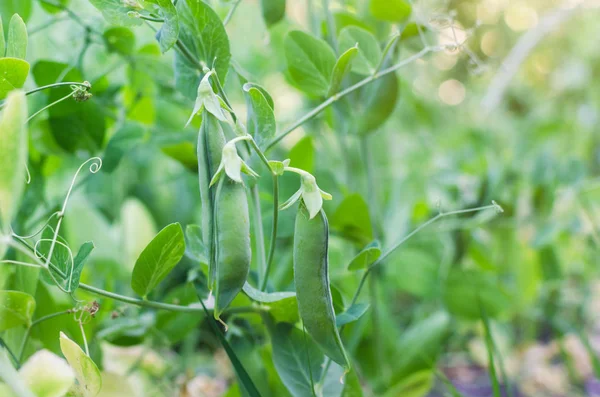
<point>33,324</point>
<point>331,100</point>
<point>85,344</point>
<point>387,253</point>
<point>231,12</point>
<point>52,104</point>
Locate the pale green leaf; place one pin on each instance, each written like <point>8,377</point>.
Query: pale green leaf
<point>47,375</point>
<point>120,39</point>
<point>273,11</point>
<point>16,308</point>
<point>11,7</point>
<point>352,219</point>
<point>13,73</point>
<point>366,257</point>
<point>369,53</point>
<point>282,305</point>
<point>89,380</point>
<point>14,385</point>
<point>158,259</point>
<point>115,12</point>
<point>380,101</point>
<point>341,69</point>
<point>16,43</point>
<point>13,155</point>
<point>310,62</point>
<point>353,313</point>
<point>261,119</point>
<point>169,32</point>
<point>417,385</point>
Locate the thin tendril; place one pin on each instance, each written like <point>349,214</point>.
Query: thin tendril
<point>39,231</point>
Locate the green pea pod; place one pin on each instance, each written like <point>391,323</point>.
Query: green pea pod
<point>210,144</point>
<point>233,250</point>
<point>311,275</point>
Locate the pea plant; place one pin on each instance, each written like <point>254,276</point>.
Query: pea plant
<point>254,284</point>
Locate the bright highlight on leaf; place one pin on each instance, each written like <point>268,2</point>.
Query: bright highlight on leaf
<point>16,308</point>
<point>89,380</point>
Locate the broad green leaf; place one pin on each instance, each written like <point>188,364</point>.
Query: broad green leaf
<point>465,289</point>
<point>379,103</point>
<point>282,305</point>
<point>137,229</point>
<point>195,245</point>
<point>366,257</point>
<point>16,42</point>
<point>390,10</point>
<point>203,34</point>
<point>14,143</point>
<point>419,345</point>
<point>13,73</point>
<point>61,259</point>
<point>13,382</point>
<point>158,259</point>
<point>344,18</point>
<point>89,380</point>
<point>128,137</point>
<point>11,7</point>
<point>341,69</point>
<point>169,32</point>
<point>353,313</point>
<point>310,62</point>
<point>115,11</point>
<point>53,9</point>
<point>120,40</point>
<point>302,155</point>
<point>47,375</point>
<point>352,219</point>
<point>273,11</point>
<point>183,152</point>
<point>261,120</point>
<point>416,385</point>
<point>415,271</point>
<point>369,53</point>
<point>296,357</point>
<point>16,308</point>
<point>78,262</point>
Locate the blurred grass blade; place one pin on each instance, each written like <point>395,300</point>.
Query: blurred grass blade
<point>10,353</point>
<point>489,344</point>
<point>235,361</point>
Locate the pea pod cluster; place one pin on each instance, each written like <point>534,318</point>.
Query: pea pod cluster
<point>311,276</point>
<point>225,218</point>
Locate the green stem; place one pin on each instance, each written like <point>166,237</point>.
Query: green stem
<point>273,231</point>
<point>151,19</point>
<point>10,352</point>
<point>231,12</point>
<point>408,236</point>
<point>85,344</point>
<point>34,323</point>
<point>62,84</point>
<point>345,92</point>
<point>183,50</point>
<point>50,105</point>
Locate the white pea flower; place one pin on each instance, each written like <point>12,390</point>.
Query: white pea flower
<point>310,192</point>
<point>232,163</point>
<point>207,99</point>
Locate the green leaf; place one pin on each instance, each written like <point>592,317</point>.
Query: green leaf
<point>16,43</point>
<point>353,313</point>
<point>13,73</point>
<point>366,257</point>
<point>261,119</point>
<point>302,155</point>
<point>352,387</point>
<point>158,259</point>
<point>78,262</point>
<point>273,11</point>
<point>195,245</point>
<point>466,288</point>
<point>47,375</point>
<point>416,385</point>
<point>352,219</point>
<point>310,62</point>
<point>120,40</point>
<point>296,357</point>
<point>420,344</point>
<point>89,380</point>
<point>203,34</point>
<point>13,157</point>
<point>11,7</point>
<point>115,12</point>
<point>283,306</point>
<point>390,10</point>
<point>369,53</point>
<point>2,41</point>
<point>169,32</point>
<point>16,308</point>
<point>53,9</point>
<point>128,137</point>
<point>341,69</point>
<point>381,97</point>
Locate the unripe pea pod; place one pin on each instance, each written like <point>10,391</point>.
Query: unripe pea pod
<point>311,276</point>
<point>225,219</point>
